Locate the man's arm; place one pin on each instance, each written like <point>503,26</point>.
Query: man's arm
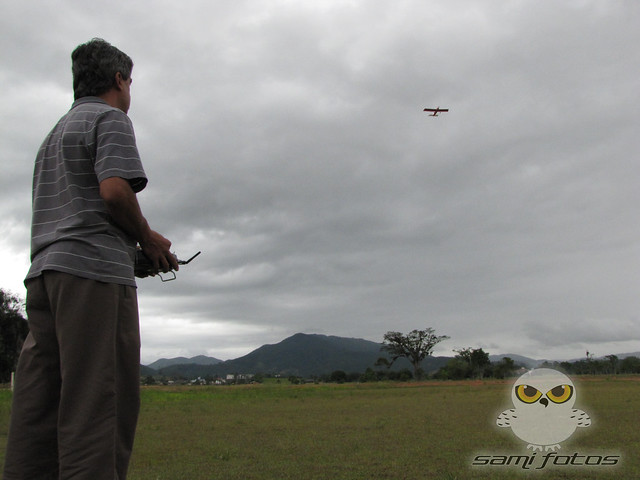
<point>125,211</point>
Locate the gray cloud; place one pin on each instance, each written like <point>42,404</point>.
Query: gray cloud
<point>287,142</point>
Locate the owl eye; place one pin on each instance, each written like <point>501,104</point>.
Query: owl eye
<point>527,393</point>
<point>560,394</point>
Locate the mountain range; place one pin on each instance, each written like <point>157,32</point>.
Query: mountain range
<point>306,355</point>
<point>301,355</point>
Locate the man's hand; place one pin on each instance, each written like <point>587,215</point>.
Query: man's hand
<point>156,248</point>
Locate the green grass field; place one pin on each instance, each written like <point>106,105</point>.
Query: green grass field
<point>363,431</point>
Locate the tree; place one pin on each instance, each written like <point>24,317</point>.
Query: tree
<point>456,369</point>
<point>504,368</point>
<point>630,365</point>
<point>369,376</point>
<point>613,363</point>
<point>13,331</point>
<point>476,358</point>
<point>414,346</point>
<point>338,376</point>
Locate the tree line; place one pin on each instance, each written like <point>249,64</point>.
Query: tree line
<point>467,364</point>
<point>464,367</point>
<point>474,363</point>
<point>13,331</point>
<point>609,365</point>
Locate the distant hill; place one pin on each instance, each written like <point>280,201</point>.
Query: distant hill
<point>303,354</point>
<point>622,356</point>
<point>300,355</point>
<point>199,360</point>
<point>146,371</point>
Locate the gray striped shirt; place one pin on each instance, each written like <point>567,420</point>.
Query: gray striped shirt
<point>71,230</point>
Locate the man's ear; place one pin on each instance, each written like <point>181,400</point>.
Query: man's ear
<point>119,81</point>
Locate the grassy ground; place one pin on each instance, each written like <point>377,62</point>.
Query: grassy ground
<point>367,431</point>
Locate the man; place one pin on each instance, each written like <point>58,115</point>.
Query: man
<point>76,396</point>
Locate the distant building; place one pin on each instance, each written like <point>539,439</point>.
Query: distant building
<point>239,378</point>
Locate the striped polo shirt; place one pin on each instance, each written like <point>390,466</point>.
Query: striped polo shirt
<point>71,230</point>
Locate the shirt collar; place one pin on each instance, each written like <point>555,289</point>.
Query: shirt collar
<point>84,100</point>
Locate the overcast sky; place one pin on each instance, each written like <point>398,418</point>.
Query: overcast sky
<point>287,141</point>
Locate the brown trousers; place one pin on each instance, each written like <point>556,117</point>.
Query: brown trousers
<point>76,396</point>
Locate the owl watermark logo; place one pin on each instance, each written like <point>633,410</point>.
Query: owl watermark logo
<point>543,416</point>
<point>543,413</point>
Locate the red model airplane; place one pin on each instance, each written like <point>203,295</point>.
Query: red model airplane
<point>436,111</point>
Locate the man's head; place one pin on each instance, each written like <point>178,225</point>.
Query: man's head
<point>96,65</point>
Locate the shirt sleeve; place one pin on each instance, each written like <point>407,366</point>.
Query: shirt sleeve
<point>116,150</point>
